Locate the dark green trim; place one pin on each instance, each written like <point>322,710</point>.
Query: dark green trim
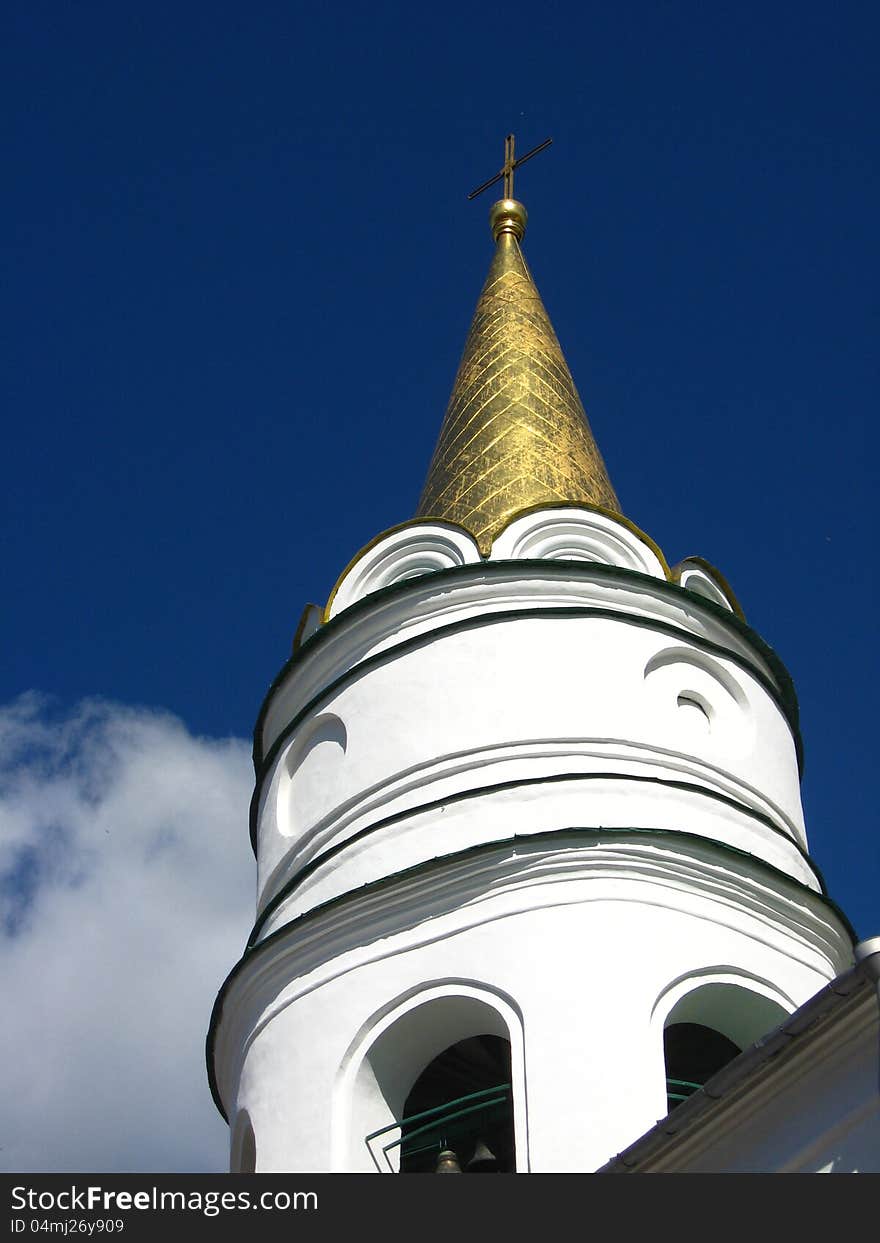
<point>479,791</point>
<point>483,848</point>
<point>547,569</point>
<point>786,701</point>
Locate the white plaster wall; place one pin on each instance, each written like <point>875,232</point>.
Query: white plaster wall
<point>425,604</point>
<point>521,699</point>
<point>436,728</point>
<point>525,813</point>
<point>585,959</point>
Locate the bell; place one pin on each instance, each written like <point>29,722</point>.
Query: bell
<point>483,1161</point>
<point>447,1163</point>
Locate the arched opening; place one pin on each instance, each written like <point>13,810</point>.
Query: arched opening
<point>693,1054</point>
<point>458,1116</point>
<point>410,1070</point>
<point>707,1028</point>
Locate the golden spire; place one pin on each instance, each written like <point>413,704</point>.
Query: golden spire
<point>515,435</point>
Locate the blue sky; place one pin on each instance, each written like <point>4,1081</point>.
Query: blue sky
<point>239,269</point>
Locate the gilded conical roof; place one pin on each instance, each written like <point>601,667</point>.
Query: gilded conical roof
<point>515,434</point>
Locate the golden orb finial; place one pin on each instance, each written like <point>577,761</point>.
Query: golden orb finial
<point>508,216</point>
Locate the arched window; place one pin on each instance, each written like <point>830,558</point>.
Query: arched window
<point>693,1054</point>
<point>707,1028</point>
<point>442,1071</point>
<point>458,1116</point>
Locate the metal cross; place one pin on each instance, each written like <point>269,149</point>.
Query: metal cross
<point>510,163</point>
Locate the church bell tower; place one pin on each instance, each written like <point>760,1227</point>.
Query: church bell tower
<point>531,856</point>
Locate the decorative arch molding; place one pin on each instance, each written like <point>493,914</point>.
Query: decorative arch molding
<point>703,1020</point>
<point>393,1047</point>
<point>573,533</point>
<point>684,682</point>
<point>305,774</point>
<point>709,665</point>
<point>406,615</point>
<point>404,552</point>
<point>709,996</point>
<point>700,576</point>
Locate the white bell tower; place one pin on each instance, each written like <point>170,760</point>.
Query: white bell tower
<point>532,861</point>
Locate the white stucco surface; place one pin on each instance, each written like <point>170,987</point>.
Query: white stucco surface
<point>550,797</point>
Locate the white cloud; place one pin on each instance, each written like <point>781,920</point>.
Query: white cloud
<point>126,882</point>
